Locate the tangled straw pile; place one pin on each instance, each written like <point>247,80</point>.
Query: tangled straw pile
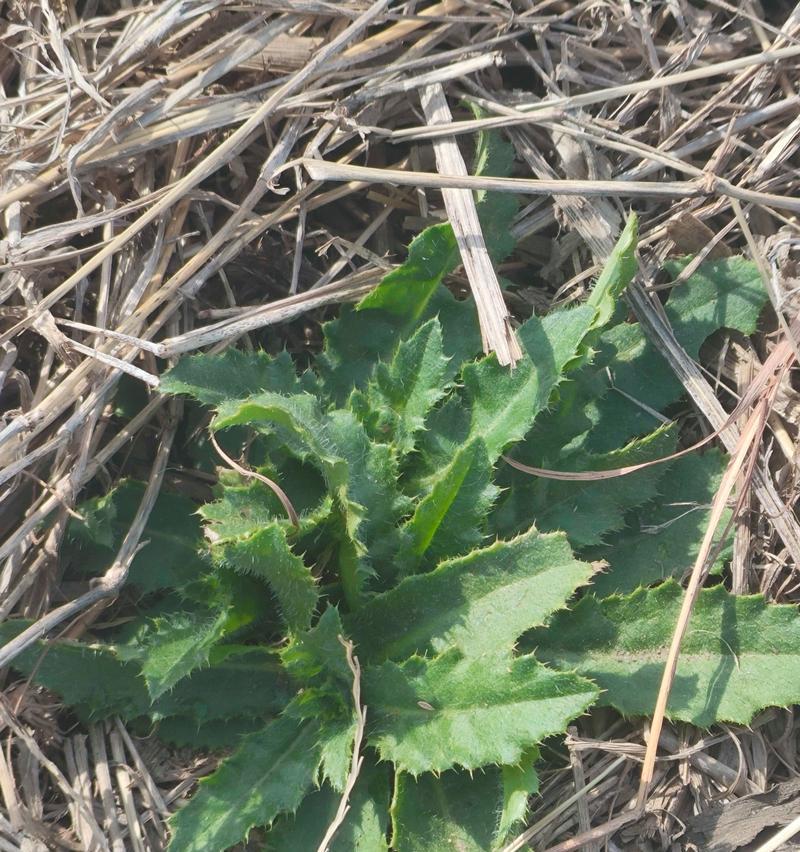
<point>184,174</point>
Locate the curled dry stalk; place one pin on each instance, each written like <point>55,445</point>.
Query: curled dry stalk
<point>253,474</point>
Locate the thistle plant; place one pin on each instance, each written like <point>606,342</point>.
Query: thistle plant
<point>486,609</point>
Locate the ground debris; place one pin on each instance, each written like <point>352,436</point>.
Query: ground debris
<point>736,825</point>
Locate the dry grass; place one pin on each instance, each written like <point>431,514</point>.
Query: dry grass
<point>179,176</point>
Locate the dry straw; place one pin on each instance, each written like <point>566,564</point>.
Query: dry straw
<point>172,177</point>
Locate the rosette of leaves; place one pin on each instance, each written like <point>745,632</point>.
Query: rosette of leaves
<point>448,572</point>
<point>388,451</point>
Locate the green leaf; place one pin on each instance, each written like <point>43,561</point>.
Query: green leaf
<point>451,519</point>
<point>461,334</point>
<point>434,253</point>
<point>90,678</point>
<point>453,812</point>
<point>216,734</point>
<point>363,830</point>
<point>172,538</point>
<point>316,659</point>
<point>296,420</point>
<point>725,293</point>
<point>456,811</point>
<point>446,431</point>
<point>244,508</point>
<point>431,715</point>
<point>361,475</point>
<point>240,680</point>
<point>371,505</point>
<point>269,774</point>
<point>520,782</point>
<point>337,740</point>
<point>318,651</point>
<point>494,156</point>
<point>406,290</point>
<point>617,273</point>
<point>212,379</point>
<point>568,419</point>
<point>565,426</point>
<point>662,538</point>
<point>739,655</point>
<point>266,554</point>
<point>505,402</point>
<point>479,604</point>
<point>590,509</point>
<point>410,294</point>
<point>170,648</point>
<point>373,498</point>
<point>130,397</point>
<point>629,381</point>
<point>391,465</point>
<point>96,682</point>
<point>403,392</point>
<point>356,341</point>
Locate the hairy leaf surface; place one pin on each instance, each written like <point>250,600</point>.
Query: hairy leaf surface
<point>453,812</point>
<point>337,739</point>
<point>617,273</point>
<point>411,294</point>
<point>212,379</point>
<point>403,391</point>
<point>662,538</point>
<point>364,828</point>
<point>586,510</point>
<point>172,538</point>
<point>97,682</point>
<point>239,680</point>
<point>725,293</point>
<point>269,774</point>
<point>90,678</point>
<point>458,811</point>
<point>432,715</point>
<point>505,403</point>
<point>739,655</point>
<point>266,554</point>
<point>479,604</point>
<point>451,519</point>
<point>494,156</point>
<point>169,649</point>
<point>446,432</point>
<point>316,659</point>
<point>520,782</point>
<point>360,474</point>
